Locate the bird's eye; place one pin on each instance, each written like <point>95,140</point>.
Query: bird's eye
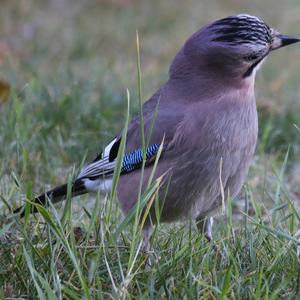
<point>251,57</point>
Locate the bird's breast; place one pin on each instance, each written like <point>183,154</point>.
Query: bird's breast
<point>218,148</point>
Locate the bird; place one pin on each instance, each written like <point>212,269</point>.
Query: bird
<point>202,122</point>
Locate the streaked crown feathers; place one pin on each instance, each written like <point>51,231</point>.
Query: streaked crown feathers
<point>242,29</point>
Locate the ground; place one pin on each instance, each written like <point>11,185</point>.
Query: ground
<point>65,67</point>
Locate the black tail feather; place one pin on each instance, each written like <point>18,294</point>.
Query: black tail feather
<point>55,195</point>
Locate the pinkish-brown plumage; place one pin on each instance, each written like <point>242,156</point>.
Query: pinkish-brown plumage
<point>206,115</point>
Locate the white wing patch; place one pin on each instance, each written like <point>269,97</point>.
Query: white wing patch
<point>102,185</point>
<point>108,148</point>
<point>100,167</point>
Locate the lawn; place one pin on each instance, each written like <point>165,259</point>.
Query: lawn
<point>64,70</point>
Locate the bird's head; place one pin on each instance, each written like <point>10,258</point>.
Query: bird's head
<point>234,46</point>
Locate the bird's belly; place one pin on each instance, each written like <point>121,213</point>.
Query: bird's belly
<point>215,160</point>
<point>230,180</point>
<point>196,186</point>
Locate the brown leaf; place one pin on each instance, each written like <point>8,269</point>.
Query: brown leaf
<point>4,91</point>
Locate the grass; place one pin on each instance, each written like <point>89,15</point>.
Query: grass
<point>68,66</point>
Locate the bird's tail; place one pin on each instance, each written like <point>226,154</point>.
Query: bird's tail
<point>55,195</point>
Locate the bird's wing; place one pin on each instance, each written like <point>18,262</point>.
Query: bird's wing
<point>159,124</point>
<point>105,164</point>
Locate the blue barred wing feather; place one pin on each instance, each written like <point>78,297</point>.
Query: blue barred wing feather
<point>104,167</point>
<point>133,160</point>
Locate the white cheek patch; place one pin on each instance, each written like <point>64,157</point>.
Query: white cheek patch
<point>102,185</point>
<point>258,66</point>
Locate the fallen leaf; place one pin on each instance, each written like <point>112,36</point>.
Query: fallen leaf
<point>4,91</point>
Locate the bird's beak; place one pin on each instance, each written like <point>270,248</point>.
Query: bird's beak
<point>281,40</point>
